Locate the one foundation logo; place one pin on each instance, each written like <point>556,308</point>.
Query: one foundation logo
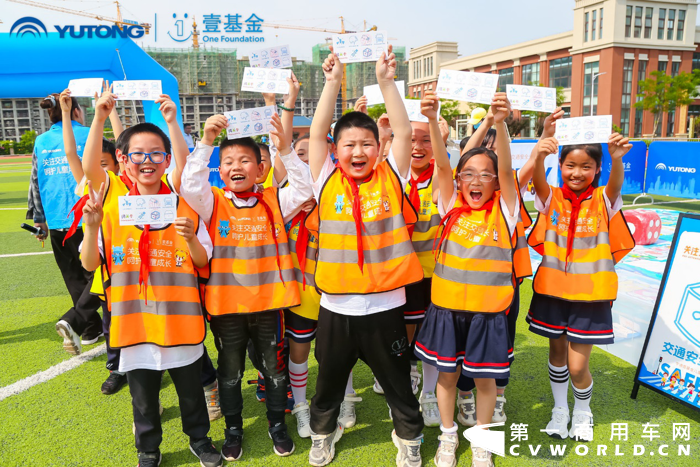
<point>28,25</point>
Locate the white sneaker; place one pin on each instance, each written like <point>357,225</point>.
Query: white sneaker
<point>415,380</point>
<point>323,447</point>
<point>429,409</point>
<point>377,387</point>
<point>303,414</point>
<point>558,425</point>
<point>446,455</point>
<point>481,457</point>
<point>581,426</point>
<point>347,416</point>
<point>498,414</point>
<point>467,410</point>
<point>71,340</point>
<point>409,451</point>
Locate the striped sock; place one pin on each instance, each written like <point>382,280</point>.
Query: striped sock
<point>583,397</point>
<point>298,374</point>
<point>559,381</point>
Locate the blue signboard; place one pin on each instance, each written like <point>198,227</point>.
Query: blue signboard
<point>673,169</point>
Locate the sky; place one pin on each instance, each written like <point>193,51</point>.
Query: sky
<point>477,26</point>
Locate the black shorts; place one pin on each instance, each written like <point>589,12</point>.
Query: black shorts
<point>301,330</point>
<point>417,301</point>
<point>580,322</point>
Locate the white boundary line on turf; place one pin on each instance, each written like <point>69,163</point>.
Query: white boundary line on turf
<point>46,375</point>
<point>27,254</point>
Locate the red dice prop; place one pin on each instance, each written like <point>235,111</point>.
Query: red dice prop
<point>645,226</point>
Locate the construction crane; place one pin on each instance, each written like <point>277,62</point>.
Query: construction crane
<point>119,21</point>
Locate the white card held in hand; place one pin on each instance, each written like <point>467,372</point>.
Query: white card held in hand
<point>147,209</point>
<point>584,130</point>
<point>138,90</point>
<point>374,94</point>
<point>271,57</point>
<point>361,46</point>
<point>413,110</point>
<point>266,80</point>
<point>85,87</point>
<point>249,122</point>
<point>534,98</point>
<point>467,86</point>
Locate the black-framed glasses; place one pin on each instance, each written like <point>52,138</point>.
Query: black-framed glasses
<point>156,157</point>
<point>483,177</point>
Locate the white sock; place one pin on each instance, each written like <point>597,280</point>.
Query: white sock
<point>414,366</point>
<point>559,380</point>
<point>298,374</point>
<point>348,388</point>
<point>583,397</point>
<point>430,377</point>
<point>449,431</point>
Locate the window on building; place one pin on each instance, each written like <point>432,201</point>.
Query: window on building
<point>693,111</point>
<point>681,25</point>
<point>628,22</point>
<point>648,22</point>
<point>430,63</point>
<point>662,23</point>
<point>505,76</point>
<point>696,61</point>
<point>425,67</point>
<point>675,68</point>
<point>567,112</point>
<point>639,113</point>
<point>600,28</point>
<point>627,74</point>
<point>663,66</point>
<point>638,21</point>
<point>585,29</point>
<point>560,72</point>
<point>590,88</point>
<point>593,25</point>
<point>416,69</point>
<point>531,74</point>
<point>671,21</point>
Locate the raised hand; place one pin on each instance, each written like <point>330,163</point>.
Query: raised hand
<point>429,105</point>
<point>212,128</point>
<point>65,100</point>
<point>279,138</point>
<point>104,105</point>
<point>618,146</point>
<point>294,86</point>
<point>384,127</point>
<point>361,105</point>
<point>386,66</point>
<point>500,107</point>
<point>547,146</point>
<point>550,123</point>
<point>332,68</point>
<point>167,108</point>
<point>92,211</point>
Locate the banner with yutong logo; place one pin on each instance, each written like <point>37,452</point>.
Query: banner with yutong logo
<point>673,169</point>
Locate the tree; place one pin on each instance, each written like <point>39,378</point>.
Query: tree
<point>663,93</point>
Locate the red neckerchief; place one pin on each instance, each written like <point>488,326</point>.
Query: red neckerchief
<point>144,242</point>
<point>575,208</point>
<point>270,220</point>
<point>302,243</point>
<point>413,194</point>
<point>357,214</point>
<point>127,181</point>
<point>451,217</point>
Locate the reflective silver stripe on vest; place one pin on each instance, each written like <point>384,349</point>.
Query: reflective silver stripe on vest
<point>483,278</point>
<point>228,279</point>
<point>426,225</point>
<point>378,255</point>
<point>422,246</point>
<point>310,282</point>
<point>601,265</point>
<point>249,252</point>
<point>377,227</point>
<point>521,242</point>
<point>310,251</point>
<point>156,307</point>
<point>155,279</point>
<point>493,253</point>
<point>580,243</point>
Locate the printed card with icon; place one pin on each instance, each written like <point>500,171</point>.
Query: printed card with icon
<point>266,80</point>
<point>138,90</point>
<point>467,86</point>
<point>271,57</point>
<point>584,130</point>
<point>147,209</point>
<point>534,98</point>
<point>374,94</point>
<point>361,46</point>
<point>413,110</point>
<point>85,87</point>
<point>249,122</point>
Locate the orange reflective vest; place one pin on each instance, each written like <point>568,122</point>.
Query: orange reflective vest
<point>599,244</point>
<point>522,267</point>
<point>425,228</point>
<point>389,259</point>
<point>310,298</point>
<point>173,315</point>
<point>474,270</point>
<point>244,277</point>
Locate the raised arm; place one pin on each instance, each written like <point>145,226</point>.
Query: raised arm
<point>429,107</point>
<point>114,121</point>
<point>177,138</point>
<point>318,146</point>
<point>544,148</point>
<point>384,127</point>
<point>290,102</point>
<point>74,162</point>
<point>548,130</point>
<point>92,219</point>
<point>501,111</point>
<point>395,108</point>
<point>93,146</point>
<point>617,147</point>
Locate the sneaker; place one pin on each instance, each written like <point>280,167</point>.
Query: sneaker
<point>377,387</point>
<point>558,425</point>
<point>71,341</point>
<point>260,390</point>
<point>89,340</point>
<point>347,416</point>
<point>283,444</point>
<point>415,380</point>
<point>206,452</point>
<point>498,414</point>
<point>113,383</point>
<point>467,410</point>
<point>323,447</point>
<point>409,451</point>
<point>290,400</point>
<point>232,450</point>
<point>211,395</point>
<point>481,457</point>
<point>446,455</point>
<point>303,414</point>
<point>429,409</point>
<point>149,459</point>
<point>581,426</point>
